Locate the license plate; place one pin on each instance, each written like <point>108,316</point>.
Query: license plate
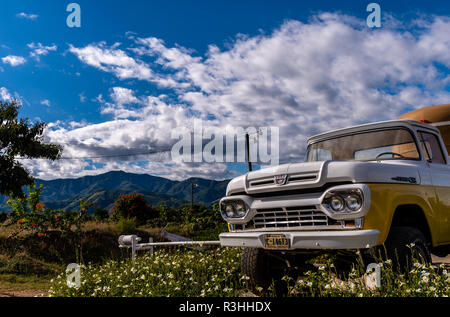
<point>276,242</point>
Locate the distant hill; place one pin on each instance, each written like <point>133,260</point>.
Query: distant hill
<point>104,188</point>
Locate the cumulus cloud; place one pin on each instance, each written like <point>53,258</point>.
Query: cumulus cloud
<point>13,60</point>
<point>112,60</point>
<point>304,77</point>
<point>123,96</point>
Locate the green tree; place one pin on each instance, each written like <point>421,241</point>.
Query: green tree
<point>20,139</point>
<point>100,214</point>
<point>133,206</point>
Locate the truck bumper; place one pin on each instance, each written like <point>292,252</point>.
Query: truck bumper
<point>358,239</point>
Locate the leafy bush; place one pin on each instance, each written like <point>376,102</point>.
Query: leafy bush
<point>187,220</point>
<point>100,214</point>
<point>31,214</point>
<point>125,226</point>
<point>133,206</point>
<point>31,217</point>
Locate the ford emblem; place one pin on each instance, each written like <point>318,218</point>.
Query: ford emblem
<point>280,179</point>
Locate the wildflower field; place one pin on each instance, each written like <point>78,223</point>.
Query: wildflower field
<point>165,273</point>
<point>216,272</point>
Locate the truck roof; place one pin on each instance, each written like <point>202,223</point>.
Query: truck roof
<point>371,126</point>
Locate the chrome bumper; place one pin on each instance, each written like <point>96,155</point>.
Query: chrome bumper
<point>357,239</point>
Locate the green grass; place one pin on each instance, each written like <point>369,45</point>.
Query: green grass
<point>16,282</point>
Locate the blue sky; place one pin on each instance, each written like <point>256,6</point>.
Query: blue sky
<point>63,75</point>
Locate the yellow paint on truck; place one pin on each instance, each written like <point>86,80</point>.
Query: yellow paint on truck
<point>385,198</point>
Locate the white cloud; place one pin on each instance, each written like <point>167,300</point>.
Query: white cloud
<point>27,16</point>
<point>40,50</point>
<point>46,102</point>
<point>116,61</point>
<point>123,96</point>
<point>304,78</point>
<point>111,59</point>
<point>13,60</point>
<point>5,95</point>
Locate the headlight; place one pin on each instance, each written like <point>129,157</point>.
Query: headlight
<point>337,203</point>
<point>343,203</point>
<point>229,210</point>
<point>240,209</point>
<point>353,202</point>
<point>233,209</point>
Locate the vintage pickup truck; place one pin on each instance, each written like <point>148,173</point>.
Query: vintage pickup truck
<point>376,186</point>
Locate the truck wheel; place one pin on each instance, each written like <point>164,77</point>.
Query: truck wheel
<point>406,244</point>
<point>261,268</point>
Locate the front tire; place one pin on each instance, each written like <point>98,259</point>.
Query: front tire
<point>405,245</point>
<point>261,268</point>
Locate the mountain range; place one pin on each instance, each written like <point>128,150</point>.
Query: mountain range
<point>104,188</point>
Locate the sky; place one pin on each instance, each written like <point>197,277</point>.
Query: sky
<point>137,70</point>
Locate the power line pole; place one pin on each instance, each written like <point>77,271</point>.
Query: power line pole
<point>247,145</point>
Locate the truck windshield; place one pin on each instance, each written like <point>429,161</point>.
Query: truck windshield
<point>370,145</point>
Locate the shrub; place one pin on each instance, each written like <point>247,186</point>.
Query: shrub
<point>133,206</point>
<point>125,226</point>
<point>31,214</point>
<point>100,214</point>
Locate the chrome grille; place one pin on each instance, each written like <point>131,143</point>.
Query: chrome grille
<point>295,178</point>
<point>288,217</point>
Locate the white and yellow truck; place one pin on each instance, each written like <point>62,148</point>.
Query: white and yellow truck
<point>384,184</point>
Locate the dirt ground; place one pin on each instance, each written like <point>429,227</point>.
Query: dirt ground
<point>26,293</point>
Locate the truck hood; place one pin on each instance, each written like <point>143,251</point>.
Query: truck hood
<point>317,174</point>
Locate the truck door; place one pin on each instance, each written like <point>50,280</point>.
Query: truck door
<point>440,175</point>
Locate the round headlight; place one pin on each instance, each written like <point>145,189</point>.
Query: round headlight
<point>337,203</point>
<point>240,209</point>
<point>353,202</point>
<point>229,210</point>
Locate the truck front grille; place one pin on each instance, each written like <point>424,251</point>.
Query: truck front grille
<point>290,217</point>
